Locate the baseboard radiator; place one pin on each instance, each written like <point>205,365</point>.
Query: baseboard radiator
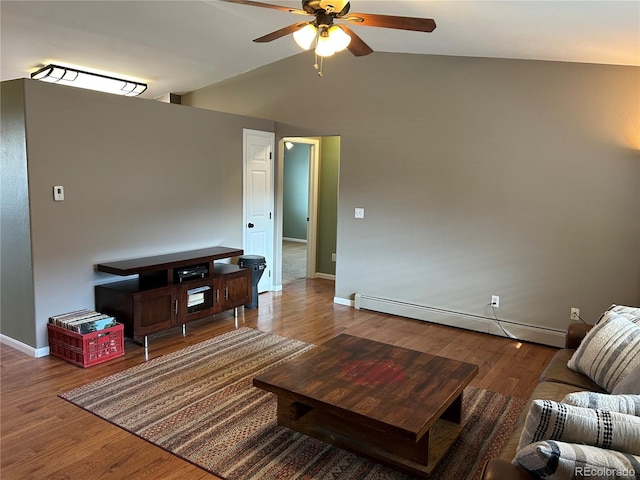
<point>529,333</point>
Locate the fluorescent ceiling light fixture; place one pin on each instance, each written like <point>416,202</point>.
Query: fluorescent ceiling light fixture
<point>92,81</point>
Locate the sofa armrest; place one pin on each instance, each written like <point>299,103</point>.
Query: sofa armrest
<point>496,469</point>
<point>575,333</point>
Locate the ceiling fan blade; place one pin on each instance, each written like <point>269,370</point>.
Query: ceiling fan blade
<point>357,45</point>
<point>267,5</point>
<point>391,21</point>
<point>269,37</point>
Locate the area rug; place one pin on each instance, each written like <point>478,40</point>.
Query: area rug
<point>199,404</point>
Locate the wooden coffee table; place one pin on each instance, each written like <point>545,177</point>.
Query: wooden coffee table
<point>395,405</point>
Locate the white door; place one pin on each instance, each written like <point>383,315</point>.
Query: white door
<point>259,200</point>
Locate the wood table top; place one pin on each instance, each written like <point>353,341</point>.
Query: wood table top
<point>171,260</point>
<point>390,388</point>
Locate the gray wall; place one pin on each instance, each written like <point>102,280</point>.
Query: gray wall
<point>141,178</point>
<point>478,176</point>
<point>16,284</point>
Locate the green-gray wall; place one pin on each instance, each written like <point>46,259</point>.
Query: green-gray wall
<point>478,176</point>
<point>328,204</point>
<point>141,178</point>
<point>295,192</point>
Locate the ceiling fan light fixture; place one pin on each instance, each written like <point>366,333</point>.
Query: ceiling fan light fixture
<point>324,47</point>
<point>92,81</point>
<point>305,36</point>
<point>338,38</point>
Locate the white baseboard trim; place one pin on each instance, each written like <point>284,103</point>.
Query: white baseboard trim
<point>297,240</point>
<point>515,330</point>
<point>325,276</point>
<point>343,301</point>
<point>24,348</point>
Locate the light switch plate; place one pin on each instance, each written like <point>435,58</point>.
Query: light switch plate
<point>359,212</point>
<point>58,193</point>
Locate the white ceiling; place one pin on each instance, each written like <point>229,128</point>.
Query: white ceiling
<point>179,46</point>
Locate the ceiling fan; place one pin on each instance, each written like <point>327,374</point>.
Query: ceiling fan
<point>329,37</point>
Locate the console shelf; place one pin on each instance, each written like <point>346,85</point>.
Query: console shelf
<point>158,300</point>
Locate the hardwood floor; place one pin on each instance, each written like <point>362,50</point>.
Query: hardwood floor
<point>45,437</point>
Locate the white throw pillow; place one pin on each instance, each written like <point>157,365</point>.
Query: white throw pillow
<point>629,404</point>
<point>566,461</point>
<point>630,313</point>
<point>549,420</point>
<point>608,352</point>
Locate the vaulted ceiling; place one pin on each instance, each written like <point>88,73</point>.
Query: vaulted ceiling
<point>180,46</point>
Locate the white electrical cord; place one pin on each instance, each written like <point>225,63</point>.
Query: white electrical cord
<point>495,316</point>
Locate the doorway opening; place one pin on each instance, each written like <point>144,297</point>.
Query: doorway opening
<point>299,207</point>
<point>307,197</point>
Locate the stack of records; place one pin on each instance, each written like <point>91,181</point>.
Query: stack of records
<point>83,321</point>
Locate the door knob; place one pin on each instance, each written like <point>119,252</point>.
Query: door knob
<point>250,225</point>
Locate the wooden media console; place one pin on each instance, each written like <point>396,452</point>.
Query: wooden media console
<point>160,298</point>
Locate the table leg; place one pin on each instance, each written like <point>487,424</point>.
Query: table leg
<point>454,412</point>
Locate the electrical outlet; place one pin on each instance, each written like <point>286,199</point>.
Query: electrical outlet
<point>575,314</point>
<point>495,301</point>
<point>333,257</point>
<point>359,212</point>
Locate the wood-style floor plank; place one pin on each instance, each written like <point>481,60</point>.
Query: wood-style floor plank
<point>45,437</point>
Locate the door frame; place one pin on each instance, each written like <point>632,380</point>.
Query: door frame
<point>272,285</point>
<point>312,224</point>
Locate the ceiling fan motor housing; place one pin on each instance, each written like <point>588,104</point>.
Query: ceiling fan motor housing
<point>335,8</point>
<point>323,19</point>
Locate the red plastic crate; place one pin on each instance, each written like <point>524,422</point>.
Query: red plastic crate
<point>88,349</point>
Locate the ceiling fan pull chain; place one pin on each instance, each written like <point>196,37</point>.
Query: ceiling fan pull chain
<point>319,67</point>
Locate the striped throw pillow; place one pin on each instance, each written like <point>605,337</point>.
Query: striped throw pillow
<point>549,420</point>
<point>609,351</point>
<point>630,313</point>
<point>629,384</point>
<point>563,461</point>
<point>629,404</point>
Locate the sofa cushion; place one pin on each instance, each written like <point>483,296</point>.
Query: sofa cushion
<point>549,420</point>
<point>559,461</point>
<point>629,404</point>
<point>609,351</point>
<point>557,371</point>
<point>544,390</point>
<point>630,383</point>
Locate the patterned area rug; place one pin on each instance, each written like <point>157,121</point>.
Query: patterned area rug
<point>199,403</point>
